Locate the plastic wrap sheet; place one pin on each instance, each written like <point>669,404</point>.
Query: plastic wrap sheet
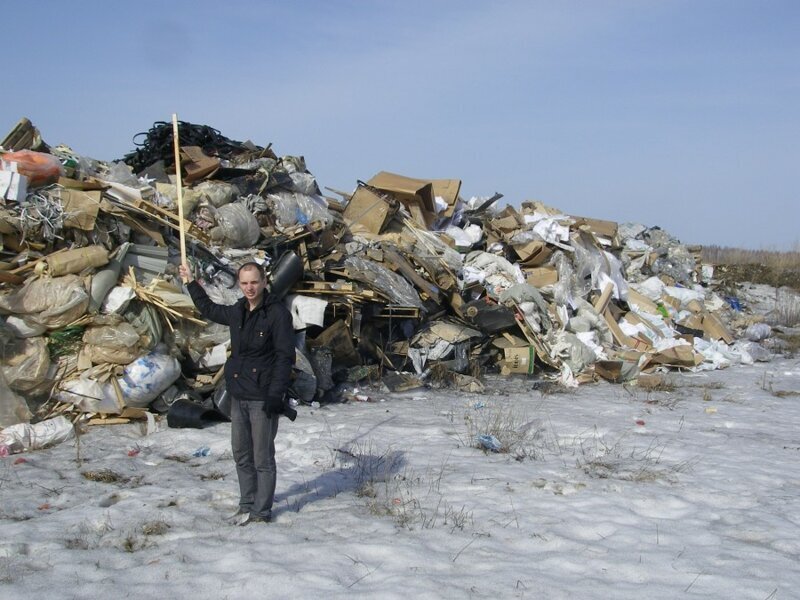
<point>562,290</point>
<point>678,264</point>
<point>304,183</point>
<point>572,351</point>
<point>196,340</point>
<point>429,245</point>
<point>392,285</point>
<point>630,231</point>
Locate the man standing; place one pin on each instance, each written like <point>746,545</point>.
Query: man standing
<point>257,376</point>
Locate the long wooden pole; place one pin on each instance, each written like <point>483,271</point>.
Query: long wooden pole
<point>177,145</point>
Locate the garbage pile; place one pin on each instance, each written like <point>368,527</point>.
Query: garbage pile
<point>404,281</point>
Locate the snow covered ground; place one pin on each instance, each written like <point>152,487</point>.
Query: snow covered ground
<point>691,490</point>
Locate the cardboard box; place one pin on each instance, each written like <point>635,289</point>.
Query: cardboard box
<point>415,194</point>
<point>532,254</point>
<point>518,360</point>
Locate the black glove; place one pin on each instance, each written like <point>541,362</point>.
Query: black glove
<point>288,411</point>
<point>273,406</point>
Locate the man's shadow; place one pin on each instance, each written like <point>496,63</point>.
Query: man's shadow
<point>353,472</point>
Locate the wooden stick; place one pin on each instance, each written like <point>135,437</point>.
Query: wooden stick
<point>177,145</point>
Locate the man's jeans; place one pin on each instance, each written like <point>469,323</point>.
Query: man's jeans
<point>253,443</point>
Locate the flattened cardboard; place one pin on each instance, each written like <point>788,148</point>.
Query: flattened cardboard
<point>80,208</point>
<point>447,190</point>
<point>337,337</point>
<point>715,330</point>
<point>695,306</point>
<point>368,210</point>
<point>599,227</point>
<point>643,302</point>
<point>197,164</point>
<point>541,276</point>
<point>677,356</point>
<point>508,340</point>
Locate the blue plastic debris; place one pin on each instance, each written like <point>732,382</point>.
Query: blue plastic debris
<point>202,451</point>
<point>734,303</point>
<point>478,405</point>
<point>489,442</point>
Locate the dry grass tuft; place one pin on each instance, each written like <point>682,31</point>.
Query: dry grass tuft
<point>105,476</point>
<point>155,527</point>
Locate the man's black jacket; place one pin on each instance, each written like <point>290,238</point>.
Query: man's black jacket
<point>262,346</point>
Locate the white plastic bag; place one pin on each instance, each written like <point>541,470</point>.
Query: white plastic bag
<point>23,436</point>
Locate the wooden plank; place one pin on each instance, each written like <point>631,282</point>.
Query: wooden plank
<point>602,302</point>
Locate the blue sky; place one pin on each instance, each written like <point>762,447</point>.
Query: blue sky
<point>681,114</point>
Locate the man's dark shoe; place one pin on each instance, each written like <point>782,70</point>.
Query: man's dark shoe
<point>255,519</point>
<point>237,516</point>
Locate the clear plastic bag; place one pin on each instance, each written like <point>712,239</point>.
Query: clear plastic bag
<point>304,183</point>
<point>215,193</point>
<point>236,226</point>
<point>119,172</point>
<point>122,335</point>
<point>25,363</point>
<point>13,408</point>
<point>51,303</point>
<point>291,208</point>
<point>117,344</point>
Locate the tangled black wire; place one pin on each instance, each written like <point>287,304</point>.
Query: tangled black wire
<point>158,144</point>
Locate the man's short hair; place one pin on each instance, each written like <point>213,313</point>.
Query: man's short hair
<point>251,266</point>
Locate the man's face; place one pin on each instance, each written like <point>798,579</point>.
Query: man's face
<point>252,284</point>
